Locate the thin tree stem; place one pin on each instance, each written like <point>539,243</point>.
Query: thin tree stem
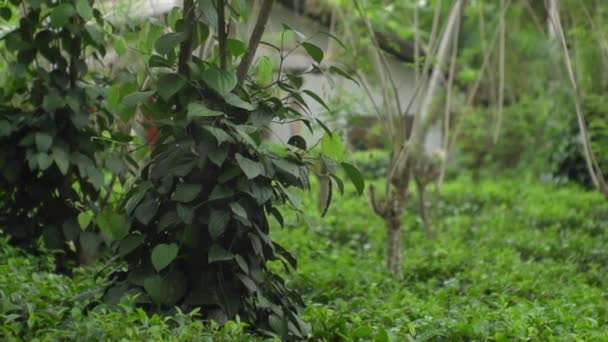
<point>254,40</point>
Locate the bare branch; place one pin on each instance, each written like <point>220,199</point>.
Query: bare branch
<point>379,209</point>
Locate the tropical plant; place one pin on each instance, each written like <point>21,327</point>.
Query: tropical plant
<point>195,228</point>
<point>51,125</point>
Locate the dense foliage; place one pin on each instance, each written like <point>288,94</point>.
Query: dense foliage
<point>51,123</point>
<point>507,264</point>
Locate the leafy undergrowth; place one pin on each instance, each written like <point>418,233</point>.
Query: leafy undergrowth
<point>509,262</point>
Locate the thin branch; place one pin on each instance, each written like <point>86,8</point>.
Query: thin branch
<point>379,209</point>
<point>448,106</point>
<point>254,40</point>
<point>501,72</point>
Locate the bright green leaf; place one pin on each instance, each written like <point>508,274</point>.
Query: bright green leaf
<point>84,219</point>
<point>61,14</point>
<point>114,225</point>
<point>332,146</point>
<point>222,81</point>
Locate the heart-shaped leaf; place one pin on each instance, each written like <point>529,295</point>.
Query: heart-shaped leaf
<point>169,85</point>
<point>186,192</point>
<point>113,225</point>
<point>163,254</point>
<point>222,81</point>
<point>251,168</point>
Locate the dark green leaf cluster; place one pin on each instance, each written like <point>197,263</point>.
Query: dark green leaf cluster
<point>195,231</point>
<point>50,115</point>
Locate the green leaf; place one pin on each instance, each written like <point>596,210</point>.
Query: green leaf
<point>96,177</point>
<point>238,210</point>
<point>222,81</point>
<point>43,141</point>
<point>61,14</point>
<point>332,146</point>
<point>52,101</point>
<point>186,192</point>
<point>169,85</point>
<point>197,110</point>
<point>84,9</point>
<point>289,28</point>
<point>185,213</point>
<point>218,253</point>
<point>5,128</point>
<point>146,210</point>
<point>90,243</point>
<point>163,254</point>
<point>338,71</point>
<point>220,135</point>
<point>153,286</point>
<point>235,47</point>
<point>220,192</point>
<point>278,325</point>
<point>134,199</point>
<point>84,219</point>
<point>218,219</point>
<point>168,42</point>
<point>114,225</point>
<point>120,45</point>
<point>249,284</point>
<point>264,70</point>
<point>242,263</point>
<point>236,101</point>
<point>355,176</point>
<point>314,51</point>
<point>61,158</point>
<point>251,168</point>
<point>317,98</point>
<point>44,161</point>
<point>136,98</point>
<point>364,331</point>
<point>6,13</point>
<point>297,141</point>
<point>130,243</point>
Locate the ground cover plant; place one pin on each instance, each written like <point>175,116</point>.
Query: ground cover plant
<point>511,261</point>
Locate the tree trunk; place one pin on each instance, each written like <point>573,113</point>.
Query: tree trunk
<point>392,219</point>
<point>428,232</point>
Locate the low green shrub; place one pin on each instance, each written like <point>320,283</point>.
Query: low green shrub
<point>511,261</point>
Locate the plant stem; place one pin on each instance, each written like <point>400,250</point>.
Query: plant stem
<point>254,40</point>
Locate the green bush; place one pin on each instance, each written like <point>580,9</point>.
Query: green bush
<point>372,163</point>
<point>511,261</point>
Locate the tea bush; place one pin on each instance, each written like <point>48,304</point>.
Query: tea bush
<point>511,261</point>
